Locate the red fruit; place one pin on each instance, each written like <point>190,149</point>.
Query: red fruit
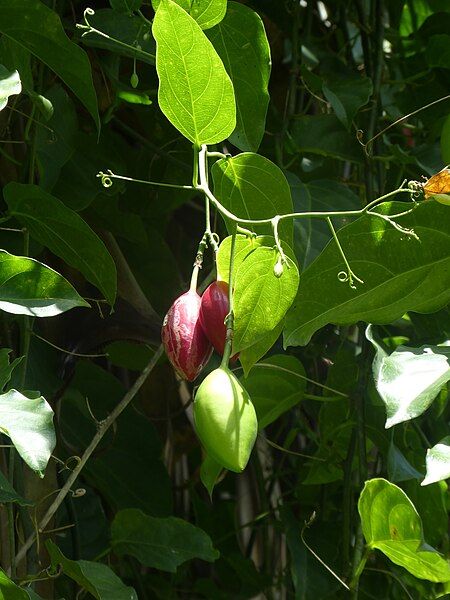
<point>185,342</point>
<point>213,310</point>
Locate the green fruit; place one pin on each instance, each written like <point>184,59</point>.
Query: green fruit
<point>225,419</point>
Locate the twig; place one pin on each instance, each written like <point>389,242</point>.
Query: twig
<point>103,428</point>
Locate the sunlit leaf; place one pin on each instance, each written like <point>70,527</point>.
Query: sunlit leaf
<point>207,13</point>
<point>409,379</point>
<point>253,187</point>
<point>438,462</point>
<point>10,85</point>
<point>195,92</point>
<point>28,421</point>
<point>391,524</point>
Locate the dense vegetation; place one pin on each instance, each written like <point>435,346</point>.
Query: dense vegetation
<point>296,152</point>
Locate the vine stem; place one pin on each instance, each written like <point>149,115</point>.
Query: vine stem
<point>102,429</point>
<point>106,179</point>
<point>229,319</point>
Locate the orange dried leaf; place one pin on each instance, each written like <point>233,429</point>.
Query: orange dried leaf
<point>438,184</point>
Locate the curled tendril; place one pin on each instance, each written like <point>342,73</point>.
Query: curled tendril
<point>106,178</point>
<point>78,493</point>
<point>349,277</point>
<point>89,12</point>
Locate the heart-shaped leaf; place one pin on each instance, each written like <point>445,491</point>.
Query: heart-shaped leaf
<point>391,524</point>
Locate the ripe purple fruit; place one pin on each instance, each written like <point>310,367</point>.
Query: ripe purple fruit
<point>185,342</point>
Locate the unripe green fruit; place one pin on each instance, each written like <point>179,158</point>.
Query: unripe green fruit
<point>225,419</point>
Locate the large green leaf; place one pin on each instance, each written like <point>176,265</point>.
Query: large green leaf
<point>10,85</point>
<point>27,287</point>
<point>409,379</point>
<point>241,42</point>
<point>438,51</point>
<point>96,578</point>
<point>253,187</point>
<point>438,462</point>
<point>347,95</point>
<point>391,524</point>
<point>195,91</point>
<point>399,272</point>
<point>159,543</point>
<point>207,13</point>
<point>65,233</point>
<point>275,385</point>
<point>28,421</point>
<point>38,29</point>
<point>261,298</point>
<point>324,134</point>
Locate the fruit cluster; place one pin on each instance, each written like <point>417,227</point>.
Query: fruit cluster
<point>225,419</point>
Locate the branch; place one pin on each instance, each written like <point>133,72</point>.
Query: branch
<point>102,429</point>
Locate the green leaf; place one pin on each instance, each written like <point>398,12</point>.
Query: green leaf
<point>438,51</point>
<point>28,421</point>
<point>210,471</point>
<point>117,470</point>
<point>96,578</point>
<point>10,85</point>
<point>38,29</point>
<point>27,287</point>
<point>207,13</point>
<point>63,232</point>
<point>195,92</point>
<point>240,41</point>
<point>438,462</point>
<point>275,385</point>
<point>6,368</point>
<point>399,273</point>
<point>10,591</point>
<point>261,299</point>
<point>409,379</point>
<point>9,494</point>
<point>253,187</point>
<point>391,524</point>
<point>159,543</point>
<point>347,95</point>
<point>398,467</point>
<point>325,135</point>
<point>248,357</point>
